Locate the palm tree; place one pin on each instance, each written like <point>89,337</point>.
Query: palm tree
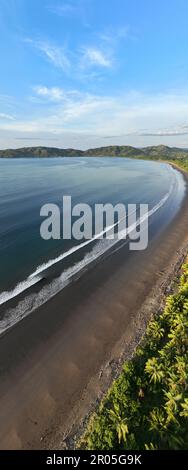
<point>184,405</point>
<point>120,424</point>
<point>155,370</point>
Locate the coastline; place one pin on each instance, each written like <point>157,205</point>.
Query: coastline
<point>59,369</point>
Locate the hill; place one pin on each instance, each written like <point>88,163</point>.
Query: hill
<point>116,151</point>
<point>43,152</point>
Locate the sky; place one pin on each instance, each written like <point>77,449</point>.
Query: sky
<point>91,73</point>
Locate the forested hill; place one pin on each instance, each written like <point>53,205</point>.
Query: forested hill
<point>156,152</point>
<point>45,152</point>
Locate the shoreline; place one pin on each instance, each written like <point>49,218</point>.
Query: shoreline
<point>58,369</point>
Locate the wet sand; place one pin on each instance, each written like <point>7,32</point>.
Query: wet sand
<point>58,361</point>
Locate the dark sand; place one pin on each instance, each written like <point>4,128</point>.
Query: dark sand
<point>57,362</point>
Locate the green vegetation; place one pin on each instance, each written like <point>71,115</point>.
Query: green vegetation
<point>147,406</point>
<point>182,163</point>
<point>160,152</point>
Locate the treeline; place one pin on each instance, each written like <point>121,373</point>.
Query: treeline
<point>147,407</point>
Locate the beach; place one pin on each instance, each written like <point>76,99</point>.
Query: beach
<point>57,363</point>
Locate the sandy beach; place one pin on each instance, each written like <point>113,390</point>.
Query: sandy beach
<point>57,362</point>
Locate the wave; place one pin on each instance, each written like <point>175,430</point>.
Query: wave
<point>72,250</point>
<point>36,276</point>
<point>21,287</point>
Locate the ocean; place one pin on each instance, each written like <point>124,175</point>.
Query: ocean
<point>32,270</point>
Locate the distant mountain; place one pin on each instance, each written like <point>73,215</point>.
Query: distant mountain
<point>163,151</point>
<point>160,152</point>
<point>43,152</point>
<point>115,151</point>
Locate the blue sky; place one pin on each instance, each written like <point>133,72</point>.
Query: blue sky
<point>86,73</point>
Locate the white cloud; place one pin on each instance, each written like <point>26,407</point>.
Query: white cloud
<point>9,117</point>
<point>56,94</point>
<point>52,94</point>
<point>115,35</point>
<point>164,132</point>
<point>95,56</point>
<point>65,9</point>
<point>72,9</point>
<point>133,119</point>
<point>55,54</point>
<point>83,64</point>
